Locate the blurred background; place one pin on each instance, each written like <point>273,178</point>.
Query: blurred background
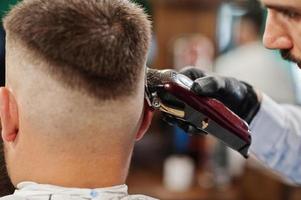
<point>218,36</point>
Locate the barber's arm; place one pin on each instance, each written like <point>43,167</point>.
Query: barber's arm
<point>276,129</point>
<point>276,138</point>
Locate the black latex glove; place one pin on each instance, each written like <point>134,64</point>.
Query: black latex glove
<point>187,128</point>
<point>238,96</point>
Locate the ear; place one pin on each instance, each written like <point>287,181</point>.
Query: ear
<point>148,114</point>
<point>9,115</point>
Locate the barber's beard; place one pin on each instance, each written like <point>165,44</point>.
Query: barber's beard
<point>6,187</point>
<point>287,55</point>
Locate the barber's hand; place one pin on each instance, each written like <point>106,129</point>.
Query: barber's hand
<point>238,96</point>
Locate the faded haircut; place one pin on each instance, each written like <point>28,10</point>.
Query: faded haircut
<point>98,46</point>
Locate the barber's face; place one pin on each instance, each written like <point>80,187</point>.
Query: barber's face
<point>283,28</point>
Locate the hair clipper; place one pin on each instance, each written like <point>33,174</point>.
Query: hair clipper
<point>170,92</point>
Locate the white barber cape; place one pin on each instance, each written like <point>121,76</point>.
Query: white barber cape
<point>34,191</point>
<point>276,138</point>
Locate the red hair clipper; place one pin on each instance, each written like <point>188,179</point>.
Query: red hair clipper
<point>170,92</point>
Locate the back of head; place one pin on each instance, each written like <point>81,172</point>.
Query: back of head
<point>75,69</point>
<point>101,45</point>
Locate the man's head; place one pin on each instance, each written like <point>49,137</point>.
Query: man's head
<point>283,28</point>
<point>75,89</point>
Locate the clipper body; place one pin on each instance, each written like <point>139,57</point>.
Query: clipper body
<point>208,115</point>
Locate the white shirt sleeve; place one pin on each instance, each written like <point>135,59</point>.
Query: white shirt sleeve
<point>276,138</point>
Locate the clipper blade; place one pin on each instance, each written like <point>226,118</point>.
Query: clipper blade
<point>158,78</point>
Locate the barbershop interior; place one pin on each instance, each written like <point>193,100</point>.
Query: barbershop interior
<point>222,37</point>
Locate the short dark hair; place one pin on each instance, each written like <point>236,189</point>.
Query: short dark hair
<point>96,45</point>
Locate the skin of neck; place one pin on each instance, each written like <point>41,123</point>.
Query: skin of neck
<point>76,169</point>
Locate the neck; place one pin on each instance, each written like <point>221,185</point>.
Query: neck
<point>82,173</point>
<point>79,170</point>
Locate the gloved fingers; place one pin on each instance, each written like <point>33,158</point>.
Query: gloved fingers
<point>186,127</point>
<point>210,86</point>
<point>170,120</point>
<point>192,72</point>
<point>193,131</point>
<point>170,100</point>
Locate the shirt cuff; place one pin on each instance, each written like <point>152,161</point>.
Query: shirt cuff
<point>267,127</point>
